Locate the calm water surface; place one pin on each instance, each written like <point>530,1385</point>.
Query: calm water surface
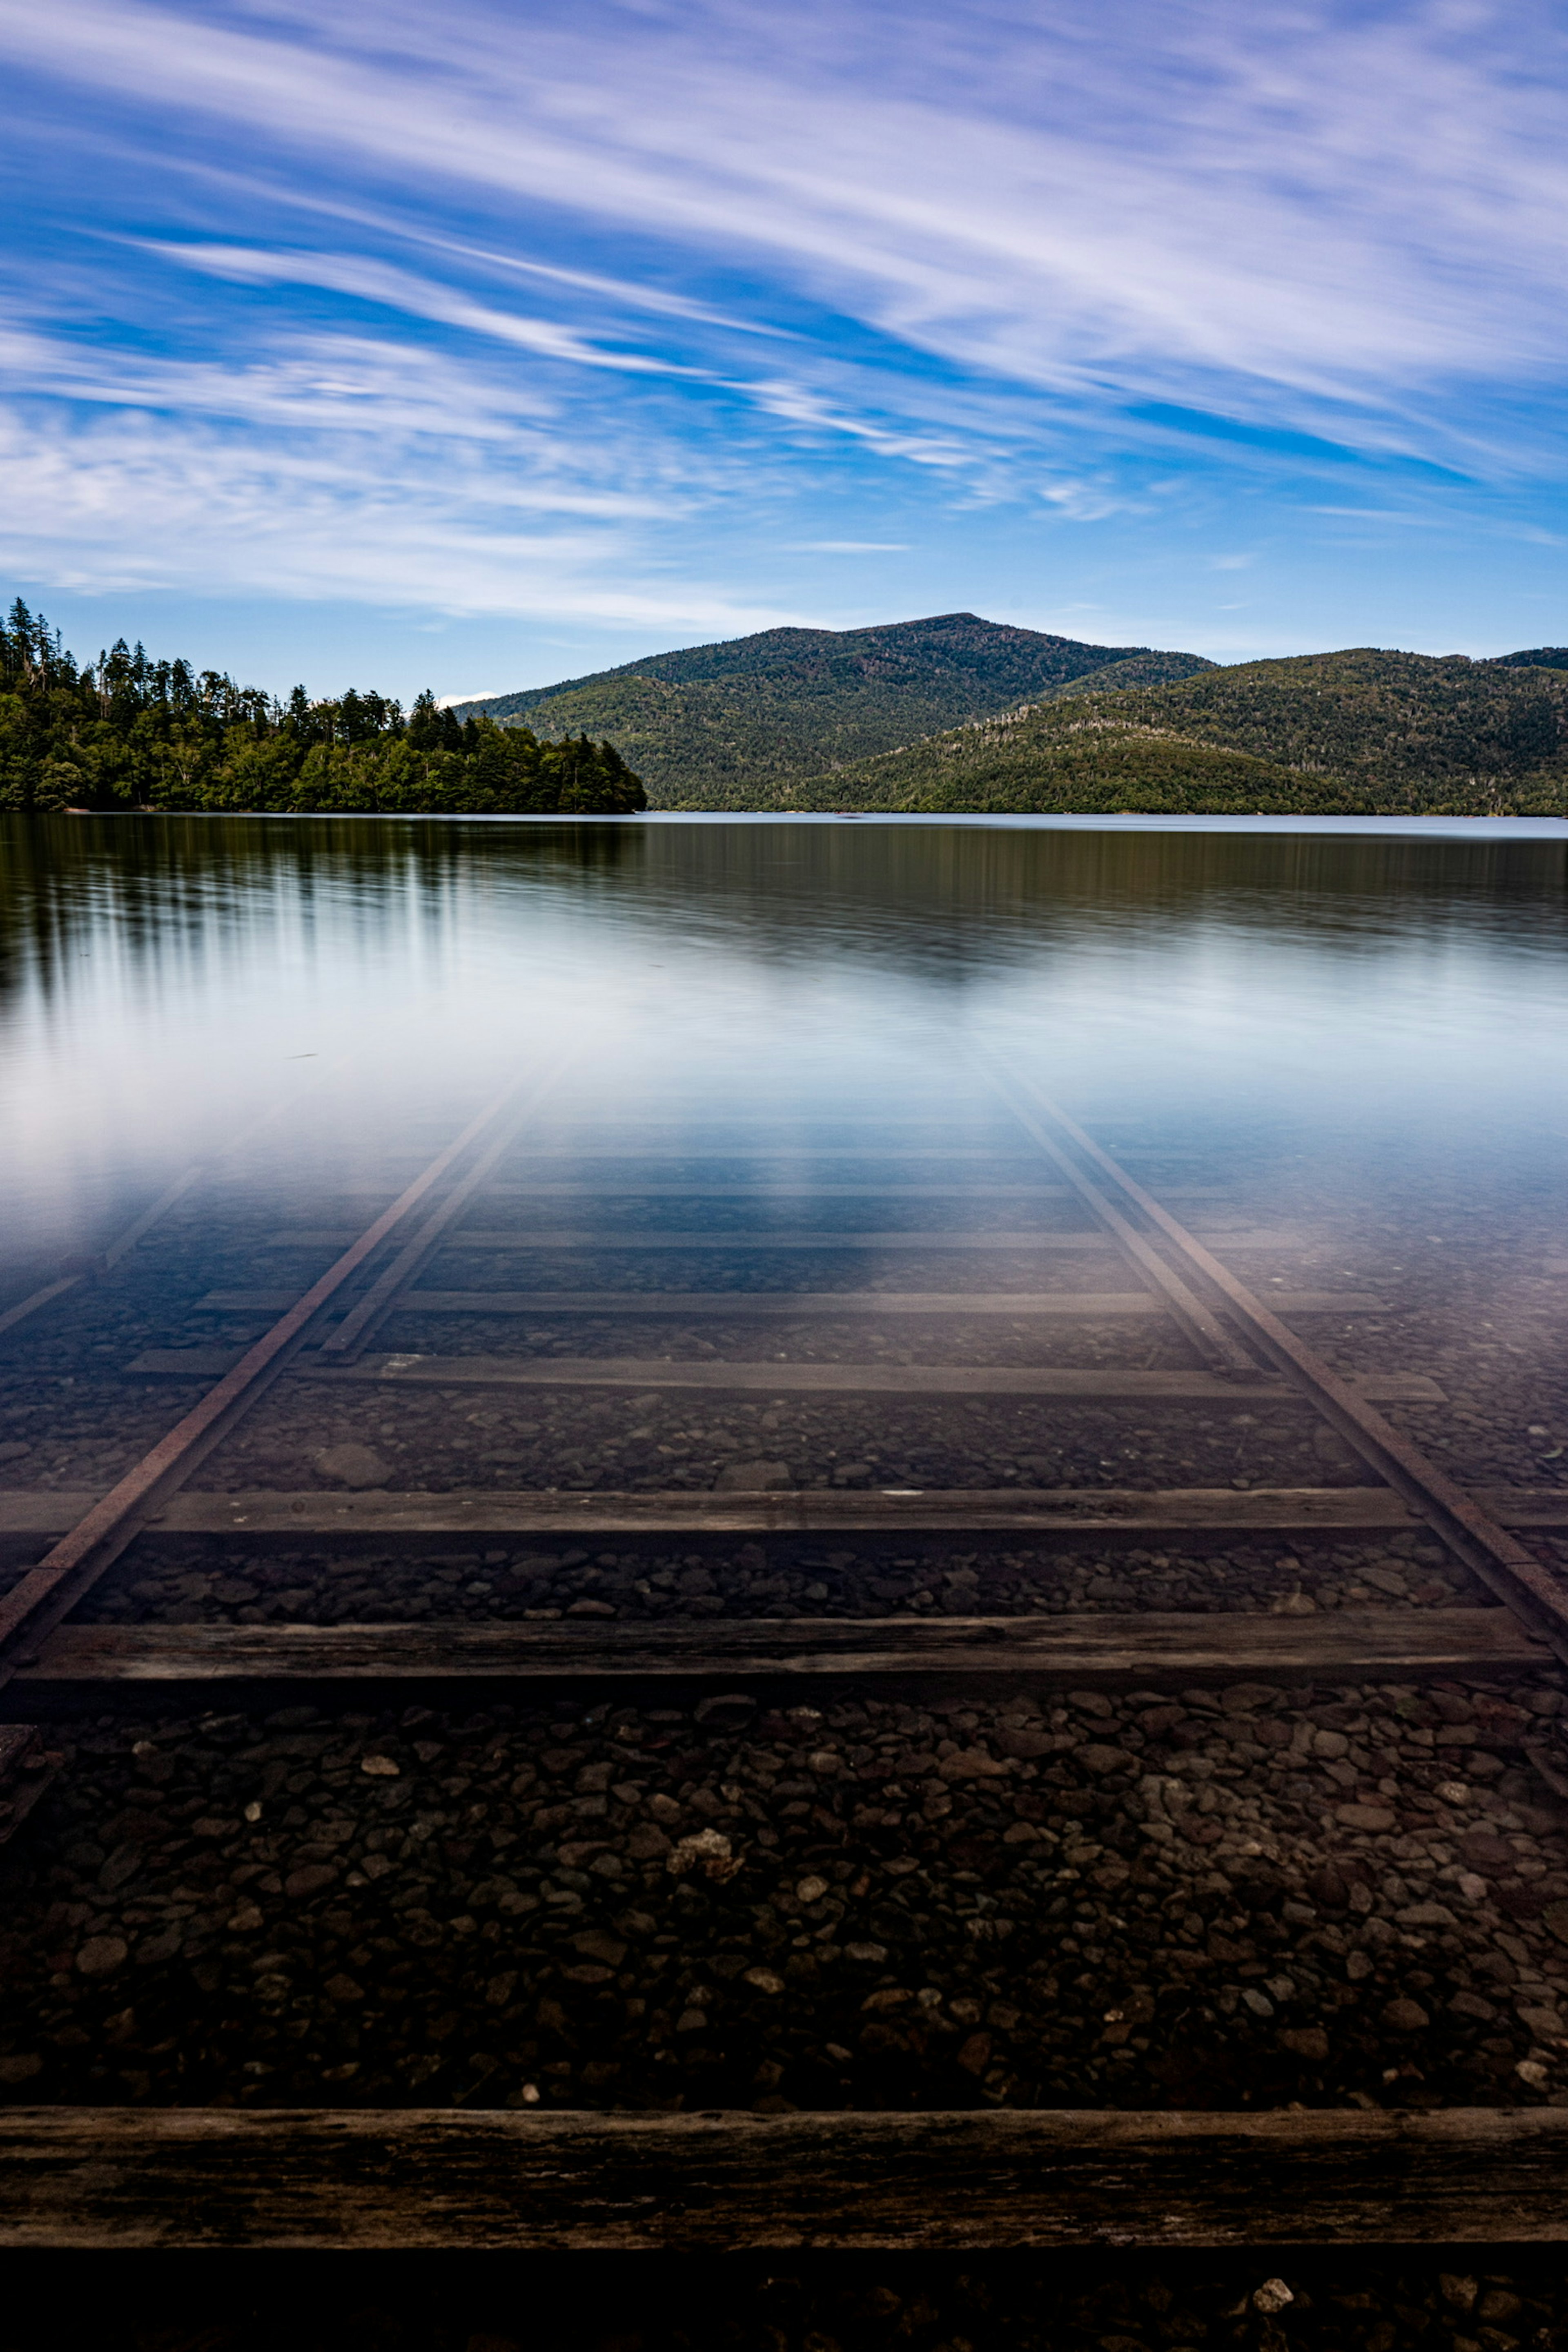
<point>280,1001</point>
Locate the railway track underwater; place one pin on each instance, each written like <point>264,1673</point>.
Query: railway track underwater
<point>774,1685</point>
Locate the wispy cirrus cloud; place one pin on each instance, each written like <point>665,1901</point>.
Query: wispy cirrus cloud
<point>704,278</point>
<point>1331,199</point>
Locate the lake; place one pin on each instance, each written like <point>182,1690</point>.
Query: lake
<point>1360,1014</point>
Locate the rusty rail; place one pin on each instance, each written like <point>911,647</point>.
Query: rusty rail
<point>47,1594</point>
<point>1469,1530</point>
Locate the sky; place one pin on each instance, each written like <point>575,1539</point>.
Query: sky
<point>480,346</point>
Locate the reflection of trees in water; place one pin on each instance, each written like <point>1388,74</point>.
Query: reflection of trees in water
<point>943,900</point>
<point>933,900</point>
<point>202,880</point>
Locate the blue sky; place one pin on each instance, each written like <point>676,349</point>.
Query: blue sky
<point>479,346</point>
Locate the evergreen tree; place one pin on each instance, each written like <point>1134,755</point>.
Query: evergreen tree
<point>127,733</point>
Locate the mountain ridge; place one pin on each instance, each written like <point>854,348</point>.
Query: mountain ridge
<point>1361,731</point>
<point>741,716</point>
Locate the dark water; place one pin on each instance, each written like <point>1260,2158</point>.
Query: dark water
<point>1341,1009</point>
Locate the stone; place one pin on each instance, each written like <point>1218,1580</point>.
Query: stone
<point>753,1479</point>
<point>975,1764</point>
<point>1364,1817</point>
<point>309,1880</point>
<point>380,1768</point>
<point>1246,1698</point>
<point>100,1955</point>
<point>1272,2297</point>
<point>353,1466</point>
<point>707,1851</point>
<point>155,1950</point>
<point>1308,2041</point>
<point>763,1980</point>
<point>1403,2015</point>
<point>22,2067</point>
<point>1486,1851</point>
<point>595,1945</point>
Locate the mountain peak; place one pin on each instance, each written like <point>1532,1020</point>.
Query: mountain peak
<point>706,724</point>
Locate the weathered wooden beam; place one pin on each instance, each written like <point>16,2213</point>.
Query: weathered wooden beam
<point>75,2178</point>
<point>818,1379</point>
<point>764,1192</point>
<point>1339,1646</point>
<point>487,1239</point>
<point>739,1305</point>
<point>795,1378</point>
<point>403,1519</point>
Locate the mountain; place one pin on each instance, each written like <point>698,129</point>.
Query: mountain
<point>1354,733</point>
<point>725,726</point>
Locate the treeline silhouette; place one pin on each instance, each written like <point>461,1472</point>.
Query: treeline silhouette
<point>129,732</point>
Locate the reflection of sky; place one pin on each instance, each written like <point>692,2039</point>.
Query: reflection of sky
<point>1346,1000</point>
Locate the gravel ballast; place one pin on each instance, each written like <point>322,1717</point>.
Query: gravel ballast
<point>1241,1897</point>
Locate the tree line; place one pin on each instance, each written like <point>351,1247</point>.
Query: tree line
<point>129,732</point>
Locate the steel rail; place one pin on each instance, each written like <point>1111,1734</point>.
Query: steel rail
<point>1464,1525</point>
<point>368,1314</point>
<point>47,1594</point>
<point>1219,1348</point>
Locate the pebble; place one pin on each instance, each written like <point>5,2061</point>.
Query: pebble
<point>1136,1899</point>
<point>353,1466</point>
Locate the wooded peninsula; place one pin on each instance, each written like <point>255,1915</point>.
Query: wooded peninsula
<point>127,733</point>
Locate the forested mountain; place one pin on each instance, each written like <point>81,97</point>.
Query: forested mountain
<point>770,721</point>
<point>721,726</point>
<point>127,732</point>
<point>1357,732</point>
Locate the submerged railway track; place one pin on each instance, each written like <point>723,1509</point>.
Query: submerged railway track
<point>1018,2166</point>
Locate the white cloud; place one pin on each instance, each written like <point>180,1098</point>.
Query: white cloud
<point>1186,201</point>
<point>997,251</point>
<point>138,501</point>
<point>398,289</point>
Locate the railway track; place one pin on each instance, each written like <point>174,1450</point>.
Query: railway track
<point>1041,2173</point>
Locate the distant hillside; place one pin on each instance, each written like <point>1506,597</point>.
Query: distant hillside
<point>725,726</point>
<point>1361,731</point>
<point>1538,657</point>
